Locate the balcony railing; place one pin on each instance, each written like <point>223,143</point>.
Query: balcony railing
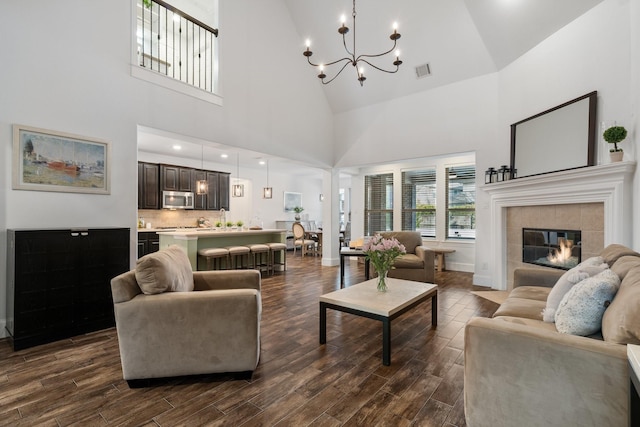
<point>176,45</point>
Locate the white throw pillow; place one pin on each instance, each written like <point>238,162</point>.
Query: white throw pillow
<point>587,268</point>
<point>581,309</point>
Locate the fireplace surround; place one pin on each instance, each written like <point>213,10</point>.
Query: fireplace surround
<point>609,185</point>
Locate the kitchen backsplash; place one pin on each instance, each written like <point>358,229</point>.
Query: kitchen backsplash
<point>179,218</point>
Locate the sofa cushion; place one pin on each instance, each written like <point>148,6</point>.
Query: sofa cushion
<point>621,320</point>
<point>521,307</point>
<point>611,253</point>
<point>165,270</point>
<point>537,293</point>
<point>587,268</point>
<point>624,264</point>
<point>581,309</point>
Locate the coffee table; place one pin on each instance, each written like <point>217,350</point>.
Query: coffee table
<point>364,300</point>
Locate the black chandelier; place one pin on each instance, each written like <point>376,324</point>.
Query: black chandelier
<point>352,58</point>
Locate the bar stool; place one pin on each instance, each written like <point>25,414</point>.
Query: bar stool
<point>238,254</point>
<point>214,258</point>
<point>278,247</point>
<point>260,256</point>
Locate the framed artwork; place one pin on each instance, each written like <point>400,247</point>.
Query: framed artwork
<point>291,200</point>
<point>45,160</point>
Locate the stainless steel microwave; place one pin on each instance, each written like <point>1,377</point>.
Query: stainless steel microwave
<point>177,200</point>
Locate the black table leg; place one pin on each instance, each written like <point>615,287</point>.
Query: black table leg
<point>341,270</point>
<point>323,323</point>
<point>434,309</point>
<point>366,269</point>
<point>386,342</point>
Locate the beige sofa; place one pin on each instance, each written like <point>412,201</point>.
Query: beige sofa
<point>520,371</point>
<point>418,263</point>
<point>172,321</point>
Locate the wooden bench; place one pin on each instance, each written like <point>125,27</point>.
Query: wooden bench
<point>440,260</point>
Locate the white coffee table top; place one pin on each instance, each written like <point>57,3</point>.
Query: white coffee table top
<point>365,296</point>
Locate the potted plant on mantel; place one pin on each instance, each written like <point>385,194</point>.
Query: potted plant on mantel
<point>298,210</point>
<point>613,135</point>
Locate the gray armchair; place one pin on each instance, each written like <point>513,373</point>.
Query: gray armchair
<point>418,263</point>
<point>172,322</point>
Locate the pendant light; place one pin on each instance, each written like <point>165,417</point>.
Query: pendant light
<point>237,189</point>
<point>267,192</point>
<point>201,184</point>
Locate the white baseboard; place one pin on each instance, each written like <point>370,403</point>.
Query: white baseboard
<point>459,266</point>
<point>3,330</point>
<point>482,280</point>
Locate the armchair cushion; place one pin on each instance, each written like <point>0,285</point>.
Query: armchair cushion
<point>165,270</point>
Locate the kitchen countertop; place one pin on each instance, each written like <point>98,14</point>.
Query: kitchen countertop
<point>206,232</point>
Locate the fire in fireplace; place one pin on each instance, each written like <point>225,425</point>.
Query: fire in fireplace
<point>551,248</point>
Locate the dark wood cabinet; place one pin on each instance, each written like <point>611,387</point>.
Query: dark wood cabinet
<point>148,186</point>
<point>223,191</point>
<point>217,190</point>
<point>148,242</point>
<point>176,178</point>
<point>58,282</point>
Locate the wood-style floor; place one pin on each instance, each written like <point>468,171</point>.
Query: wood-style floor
<point>297,383</point>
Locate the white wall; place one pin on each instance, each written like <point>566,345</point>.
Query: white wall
<point>595,52</point>
<point>67,68</point>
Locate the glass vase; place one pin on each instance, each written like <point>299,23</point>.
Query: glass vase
<point>382,281</point>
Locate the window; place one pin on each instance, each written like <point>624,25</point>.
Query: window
<point>174,44</point>
<point>378,203</point>
<point>419,201</point>
<point>461,202</point>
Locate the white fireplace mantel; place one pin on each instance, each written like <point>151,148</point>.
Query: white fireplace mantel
<point>610,184</point>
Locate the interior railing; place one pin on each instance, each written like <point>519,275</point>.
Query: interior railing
<point>176,45</point>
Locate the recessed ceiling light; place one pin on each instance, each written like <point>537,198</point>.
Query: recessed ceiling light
<point>177,147</point>
<point>224,156</point>
<point>262,162</point>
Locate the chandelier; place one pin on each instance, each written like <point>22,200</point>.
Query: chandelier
<point>354,59</point>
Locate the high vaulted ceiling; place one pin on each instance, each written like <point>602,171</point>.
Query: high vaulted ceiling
<point>459,39</point>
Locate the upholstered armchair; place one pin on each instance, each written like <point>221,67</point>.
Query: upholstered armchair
<point>172,321</point>
<point>418,263</point>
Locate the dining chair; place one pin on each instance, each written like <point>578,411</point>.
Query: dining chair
<point>300,239</point>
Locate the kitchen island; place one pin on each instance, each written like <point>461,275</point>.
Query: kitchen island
<point>191,240</point>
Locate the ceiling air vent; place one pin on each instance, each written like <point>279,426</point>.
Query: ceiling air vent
<point>423,70</point>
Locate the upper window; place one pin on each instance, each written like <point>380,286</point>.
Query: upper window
<point>378,203</point>
<point>419,201</point>
<point>461,202</point>
<point>177,45</point>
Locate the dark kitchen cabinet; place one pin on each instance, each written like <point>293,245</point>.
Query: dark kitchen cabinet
<point>148,186</point>
<point>58,282</point>
<point>148,242</point>
<point>176,178</point>
<point>217,190</point>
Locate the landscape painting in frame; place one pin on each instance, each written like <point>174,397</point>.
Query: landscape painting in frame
<point>45,160</point>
